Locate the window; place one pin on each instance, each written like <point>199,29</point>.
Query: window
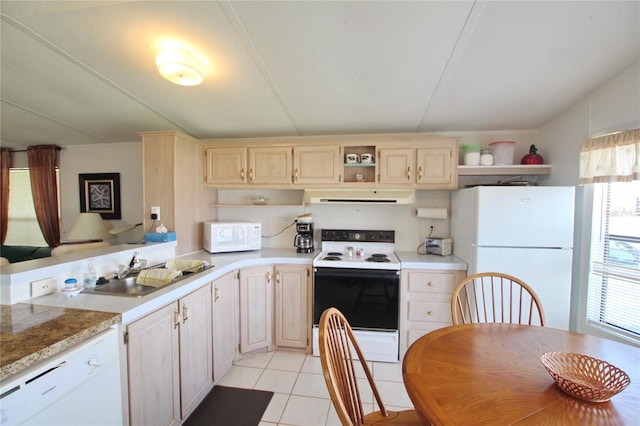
<point>23,228</point>
<point>613,298</point>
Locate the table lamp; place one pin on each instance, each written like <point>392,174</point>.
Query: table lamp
<point>89,227</point>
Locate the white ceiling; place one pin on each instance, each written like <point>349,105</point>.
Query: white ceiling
<point>84,72</point>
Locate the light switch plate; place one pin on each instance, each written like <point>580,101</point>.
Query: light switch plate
<point>42,287</point>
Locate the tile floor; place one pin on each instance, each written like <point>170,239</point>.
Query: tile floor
<point>300,395</point>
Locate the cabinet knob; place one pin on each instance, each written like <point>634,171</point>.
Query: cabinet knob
<point>185,314</point>
<point>251,175</point>
<point>419,172</point>
<point>408,173</point>
<point>268,276</point>
<point>242,173</point>
<point>217,294</point>
<point>431,283</point>
<point>430,313</point>
<point>176,319</point>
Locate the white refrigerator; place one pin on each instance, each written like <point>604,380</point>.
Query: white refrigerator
<point>524,231</point>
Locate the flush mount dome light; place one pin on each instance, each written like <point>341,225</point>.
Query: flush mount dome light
<point>179,66</point>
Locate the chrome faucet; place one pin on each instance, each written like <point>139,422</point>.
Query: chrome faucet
<point>123,271</point>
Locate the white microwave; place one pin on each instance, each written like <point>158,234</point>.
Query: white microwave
<point>224,237</point>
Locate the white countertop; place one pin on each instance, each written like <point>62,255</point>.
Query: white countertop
<point>132,308</point>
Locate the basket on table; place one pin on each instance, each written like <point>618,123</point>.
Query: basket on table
<point>585,377</point>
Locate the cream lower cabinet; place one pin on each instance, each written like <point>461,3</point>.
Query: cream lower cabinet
<point>425,296</point>
<point>292,319</point>
<point>170,360</point>
<point>225,328</point>
<point>256,309</point>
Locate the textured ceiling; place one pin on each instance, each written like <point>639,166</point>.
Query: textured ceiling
<point>84,72</point>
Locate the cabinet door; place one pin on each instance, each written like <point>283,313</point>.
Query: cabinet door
<point>226,166</point>
<point>270,165</point>
<point>196,358</point>
<point>436,167</point>
<point>154,378</point>
<point>317,164</point>
<point>225,341</point>
<point>395,165</point>
<point>291,305</point>
<point>256,309</point>
<point>425,298</point>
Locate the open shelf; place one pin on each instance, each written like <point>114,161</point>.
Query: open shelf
<point>515,169</point>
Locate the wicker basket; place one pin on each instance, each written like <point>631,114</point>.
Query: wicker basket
<point>584,377</point>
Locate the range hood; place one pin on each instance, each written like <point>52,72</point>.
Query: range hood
<point>359,196</point>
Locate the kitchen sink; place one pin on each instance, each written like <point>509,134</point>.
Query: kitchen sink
<point>127,287</point>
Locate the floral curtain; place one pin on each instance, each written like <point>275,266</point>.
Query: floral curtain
<point>611,158</point>
<point>5,159</point>
<point>42,170</point>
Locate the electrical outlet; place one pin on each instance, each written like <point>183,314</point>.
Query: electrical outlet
<point>42,287</point>
<point>155,212</point>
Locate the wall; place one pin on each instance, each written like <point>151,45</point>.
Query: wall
<point>614,106</point>
<point>123,158</point>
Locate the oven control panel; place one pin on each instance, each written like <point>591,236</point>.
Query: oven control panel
<point>358,236</point>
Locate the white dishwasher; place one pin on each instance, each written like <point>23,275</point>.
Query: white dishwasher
<point>80,386</point>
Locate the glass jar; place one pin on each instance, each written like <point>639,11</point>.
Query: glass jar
<point>471,155</point>
<point>486,157</point>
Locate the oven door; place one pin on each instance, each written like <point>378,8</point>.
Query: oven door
<point>368,298</point>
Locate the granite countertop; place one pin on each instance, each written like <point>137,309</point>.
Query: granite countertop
<point>31,333</point>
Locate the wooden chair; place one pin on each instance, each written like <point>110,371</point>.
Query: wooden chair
<point>495,297</point>
<point>337,344</point>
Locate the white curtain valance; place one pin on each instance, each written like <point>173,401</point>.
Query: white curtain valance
<point>611,158</point>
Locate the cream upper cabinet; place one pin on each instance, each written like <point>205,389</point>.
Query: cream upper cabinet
<point>225,331</point>
<point>226,166</point>
<point>292,319</point>
<point>256,309</point>
<point>436,166</point>
<point>270,165</point>
<point>317,164</point>
<point>170,360</point>
<point>396,166</point>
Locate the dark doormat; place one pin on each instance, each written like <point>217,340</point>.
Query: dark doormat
<point>225,406</point>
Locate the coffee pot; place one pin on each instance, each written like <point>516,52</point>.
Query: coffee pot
<point>303,241</point>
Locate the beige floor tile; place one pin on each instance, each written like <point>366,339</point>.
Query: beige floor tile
<point>287,361</point>
<point>305,411</point>
<point>390,372</point>
<point>311,385</point>
<point>241,377</point>
<point>256,359</point>
<point>274,411</point>
<point>277,381</point>
<point>312,364</point>
<point>393,393</point>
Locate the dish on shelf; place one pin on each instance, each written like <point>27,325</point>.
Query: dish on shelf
<point>259,201</point>
<point>71,292</point>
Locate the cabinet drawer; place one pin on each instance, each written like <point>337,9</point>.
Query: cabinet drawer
<point>429,311</point>
<point>432,282</point>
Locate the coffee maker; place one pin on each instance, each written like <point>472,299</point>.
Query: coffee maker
<point>304,240</point>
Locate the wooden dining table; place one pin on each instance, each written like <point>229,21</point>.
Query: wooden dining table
<point>477,374</point>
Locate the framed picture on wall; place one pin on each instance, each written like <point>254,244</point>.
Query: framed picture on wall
<point>100,193</point>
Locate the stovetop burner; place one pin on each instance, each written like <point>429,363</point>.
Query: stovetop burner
<point>329,257</point>
<point>334,253</point>
<point>379,258</point>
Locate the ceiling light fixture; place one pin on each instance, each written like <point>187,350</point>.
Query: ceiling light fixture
<point>179,66</point>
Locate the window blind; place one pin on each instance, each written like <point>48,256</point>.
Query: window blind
<point>613,297</point>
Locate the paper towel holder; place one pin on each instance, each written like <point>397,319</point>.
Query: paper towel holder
<point>431,213</point>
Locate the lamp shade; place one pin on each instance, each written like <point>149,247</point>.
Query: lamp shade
<point>179,66</point>
<point>88,226</point>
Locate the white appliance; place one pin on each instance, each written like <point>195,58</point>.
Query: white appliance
<point>358,272</point>
<point>524,231</point>
<point>224,237</point>
<point>80,386</point>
